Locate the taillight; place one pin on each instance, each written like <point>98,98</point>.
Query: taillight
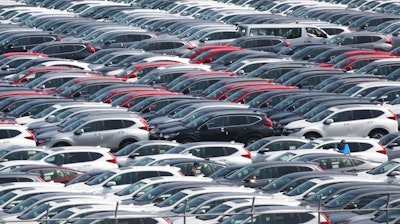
<point>320,168</point>
<point>30,136</point>
<point>59,38</point>
<point>113,159</point>
<point>324,219</point>
<point>181,173</point>
<point>41,179</point>
<point>393,116</point>
<point>91,49</point>
<point>388,40</point>
<point>248,154</point>
<point>287,43</point>
<point>383,150</point>
<point>167,220</point>
<point>145,126</point>
<point>268,122</point>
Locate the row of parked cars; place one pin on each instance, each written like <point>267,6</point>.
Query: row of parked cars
<point>115,105</point>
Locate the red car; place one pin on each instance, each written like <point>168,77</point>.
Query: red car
<point>247,94</point>
<point>356,62</point>
<point>113,94</point>
<point>131,99</point>
<point>213,54</point>
<point>198,50</point>
<point>12,54</point>
<point>133,72</point>
<point>351,54</point>
<point>229,89</point>
<point>50,172</point>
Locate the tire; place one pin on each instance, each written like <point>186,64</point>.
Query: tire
<point>377,133</point>
<point>251,139</point>
<point>125,143</point>
<point>187,140</point>
<point>60,144</point>
<point>312,135</point>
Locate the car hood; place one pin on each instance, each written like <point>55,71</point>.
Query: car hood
<point>160,120</point>
<point>298,124</point>
<point>174,129</point>
<point>48,134</point>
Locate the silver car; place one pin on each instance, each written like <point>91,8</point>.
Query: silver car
<point>111,131</point>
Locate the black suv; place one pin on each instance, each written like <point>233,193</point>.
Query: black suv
<point>244,126</point>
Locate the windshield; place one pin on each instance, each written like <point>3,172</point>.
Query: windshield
<point>35,82</point>
<point>301,188</point>
<point>237,219</point>
<point>131,188</point>
<point>258,144</point>
<point>321,116</point>
<point>60,116</point>
<point>387,139</point>
<point>21,206</point>
<point>241,174</point>
<point>72,126</point>
<point>190,206</point>
<point>277,184</point>
<point>101,178</point>
<point>35,212</point>
<point>352,90</point>
<point>322,194</point>
<point>142,162</point>
<point>45,112</point>
<point>383,168</point>
<point>197,122</point>
<point>39,156</point>
<point>340,200</point>
<point>127,149</point>
<point>6,197</point>
<point>172,200</point>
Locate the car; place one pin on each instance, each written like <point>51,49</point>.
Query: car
<point>338,162</point>
<point>117,179</point>
<point>13,177</point>
<point>261,43</point>
<point>19,153</point>
<point>211,55</point>
<point>259,174</point>
<point>365,39</point>
<point>164,46</point>
<point>261,149</point>
<point>120,39</point>
<point>65,49</point>
<point>205,167</point>
<point>15,135</point>
<point>31,74</point>
<point>391,143</point>
<point>106,130</point>
<point>82,158</point>
<point>123,216</point>
<point>242,125</point>
<point>323,124</point>
<point>50,173</point>
<point>26,41</point>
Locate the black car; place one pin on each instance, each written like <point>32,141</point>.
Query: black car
<point>65,49</point>
<point>242,125</point>
<point>261,43</point>
<point>25,41</point>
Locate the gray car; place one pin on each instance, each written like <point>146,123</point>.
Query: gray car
<point>114,132</point>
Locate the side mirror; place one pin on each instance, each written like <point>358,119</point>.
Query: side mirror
<point>262,151</point>
<point>204,127</point>
<point>79,132</point>
<point>108,63</point>
<point>328,121</point>
<point>186,91</point>
<point>77,94</point>
<point>240,73</point>
<point>146,110</point>
<point>107,42</point>
<point>394,173</point>
<point>250,180</point>
<point>208,60</point>
<point>5,67</point>
<point>133,155</point>
<point>203,40</point>
<point>110,184</point>
<point>10,46</point>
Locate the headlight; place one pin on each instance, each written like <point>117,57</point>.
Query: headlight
<point>293,130</point>
<point>169,136</point>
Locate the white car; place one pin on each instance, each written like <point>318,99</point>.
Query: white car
<point>373,121</point>
<point>82,158</point>
<point>229,153</point>
<point>366,148</point>
<point>117,179</point>
<point>15,135</point>
<point>9,165</point>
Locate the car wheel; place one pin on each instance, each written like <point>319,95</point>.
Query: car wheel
<point>187,140</point>
<point>312,135</point>
<point>60,144</point>
<point>377,133</point>
<point>125,143</point>
<point>251,139</point>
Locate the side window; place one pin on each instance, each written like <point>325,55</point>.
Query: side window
<point>247,44</point>
<point>94,155</point>
<point>78,157</point>
<point>217,122</point>
<point>167,45</point>
<point>363,39</point>
<point>20,41</point>
<point>13,133</point>
<point>264,173</point>
<point>39,40</point>
<point>125,178</point>
<point>151,46</point>
<point>230,151</point>
<point>294,144</point>
<point>314,32</point>
<point>199,152</point>
<point>67,48</point>
<point>261,43</point>
<point>341,116</point>
<point>143,37</point>
<point>162,173</point>
<point>214,151</point>
<point>47,39</point>
<point>376,113</point>
<point>58,159</point>
<point>120,39</point>
<point>127,123</point>
<point>285,170</point>
<point>213,36</point>
<point>50,50</point>
<point>237,120</point>
<point>361,114</point>
<point>93,126</point>
<point>112,124</point>
<point>148,174</point>
<point>229,35</point>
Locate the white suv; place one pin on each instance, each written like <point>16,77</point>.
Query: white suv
<point>82,158</point>
<point>15,135</point>
<point>374,121</point>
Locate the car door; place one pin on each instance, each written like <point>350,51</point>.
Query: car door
<point>214,129</point>
<point>5,139</point>
<point>338,124</point>
<point>90,135</point>
<point>112,131</point>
